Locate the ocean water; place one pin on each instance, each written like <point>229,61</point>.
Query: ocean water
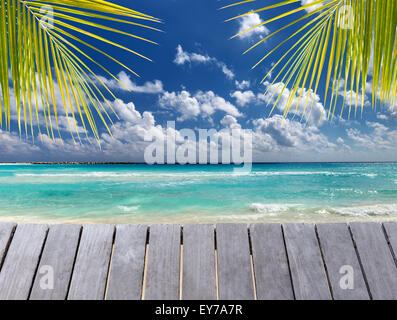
<point>198,194</point>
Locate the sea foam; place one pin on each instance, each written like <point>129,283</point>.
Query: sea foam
<point>272,208</point>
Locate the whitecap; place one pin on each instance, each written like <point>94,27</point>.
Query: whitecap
<point>272,208</point>
<point>365,210</point>
<point>128,209</point>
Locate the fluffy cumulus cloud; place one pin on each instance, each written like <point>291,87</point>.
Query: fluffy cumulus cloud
<point>125,83</point>
<point>183,57</point>
<point>381,116</point>
<point>190,106</point>
<point>314,108</point>
<point>125,111</point>
<point>277,134</point>
<point>127,142</point>
<point>352,97</point>
<point>249,21</point>
<point>244,98</point>
<point>388,109</point>
<point>57,97</point>
<point>377,137</point>
<point>128,136</point>
<point>65,121</point>
<point>230,122</point>
<point>242,85</point>
<point>274,138</point>
<point>12,145</point>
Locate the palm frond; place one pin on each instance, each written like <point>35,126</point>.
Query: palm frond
<point>41,44</point>
<point>349,40</point>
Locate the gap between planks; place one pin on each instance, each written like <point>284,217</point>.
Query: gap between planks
<point>360,262</point>
<point>147,249</point>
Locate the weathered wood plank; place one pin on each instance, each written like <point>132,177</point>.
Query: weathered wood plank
<point>199,280</point>
<point>306,265</point>
<point>92,263</point>
<point>163,264</point>
<point>272,277</point>
<point>57,262</point>
<point>22,259</point>
<point>376,259</point>
<point>6,231</point>
<point>340,259</point>
<point>391,231</point>
<point>234,264</point>
<point>128,262</point>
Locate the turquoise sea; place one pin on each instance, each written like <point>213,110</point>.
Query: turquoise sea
<point>199,193</point>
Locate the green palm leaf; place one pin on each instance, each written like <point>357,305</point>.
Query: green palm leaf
<point>339,39</point>
<point>38,49</point>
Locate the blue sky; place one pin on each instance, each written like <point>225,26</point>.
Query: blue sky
<point>199,79</point>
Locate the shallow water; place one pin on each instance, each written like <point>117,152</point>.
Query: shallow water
<point>183,194</point>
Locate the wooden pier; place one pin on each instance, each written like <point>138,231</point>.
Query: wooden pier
<point>223,261</point>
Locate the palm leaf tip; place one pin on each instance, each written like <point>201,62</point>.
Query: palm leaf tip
<point>44,64</point>
<point>333,43</point>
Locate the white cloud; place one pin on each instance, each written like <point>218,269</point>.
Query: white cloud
<point>182,57</point>
<point>211,102</point>
<point>389,109</point>
<point>57,97</point>
<point>313,7</point>
<point>182,102</point>
<point>314,106</point>
<point>249,21</point>
<point>230,122</point>
<point>379,138</point>
<point>125,111</point>
<point>11,145</point>
<point>352,96</point>
<point>381,116</point>
<point>202,104</point>
<point>280,139</point>
<point>277,133</point>
<point>242,85</point>
<point>244,97</point>
<point>148,87</point>
<point>274,138</point>
<point>125,144</point>
<point>228,73</point>
<point>340,140</point>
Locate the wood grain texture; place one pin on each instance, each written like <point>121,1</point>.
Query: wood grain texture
<point>376,259</point>
<point>6,232</point>
<point>234,264</point>
<point>20,264</point>
<point>59,254</point>
<point>128,261</point>
<point>199,280</point>
<point>288,261</point>
<point>391,231</point>
<point>340,257</point>
<point>163,263</point>
<point>92,263</point>
<point>306,265</point>
<point>272,277</point>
